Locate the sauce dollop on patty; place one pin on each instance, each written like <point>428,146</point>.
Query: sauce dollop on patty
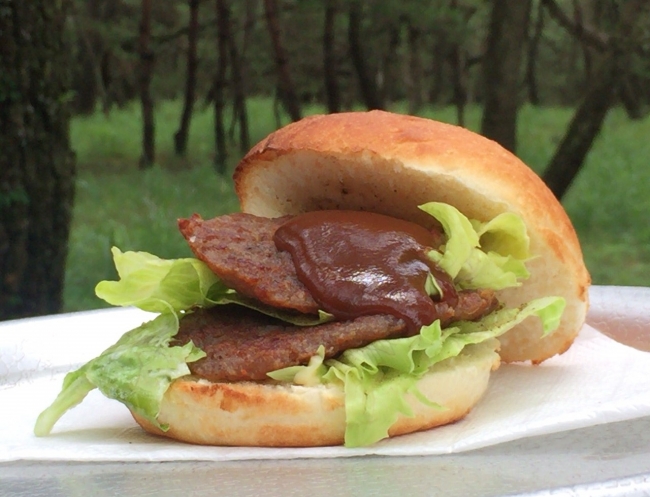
<point>357,263</point>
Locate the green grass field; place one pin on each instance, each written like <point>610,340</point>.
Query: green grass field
<point>116,204</point>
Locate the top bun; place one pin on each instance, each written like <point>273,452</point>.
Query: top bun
<point>391,163</point>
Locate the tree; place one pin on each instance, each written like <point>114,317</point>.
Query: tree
<point>459,59</point>
<point>332,91</point>
<point>618,50</point>
<point>180,137</point>
<point>531,56</point>
<point>239,114</point>
<point>414,86</point>
<point>219,86</point>
<point>37,167</point>
<point>145,74</point>
<point>501,68</point>
<point>286,88</point>
<point>370,93</point>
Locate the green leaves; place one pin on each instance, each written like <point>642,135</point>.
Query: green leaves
<point>481,255</point>
<point>137,371</point>
<point>377,377</point>
<point>157,285</point>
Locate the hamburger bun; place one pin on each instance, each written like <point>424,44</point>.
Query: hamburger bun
<point>391,163</point>
<point>280,415</point>
<point>388,164</point>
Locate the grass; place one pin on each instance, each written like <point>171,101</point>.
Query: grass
<point>116,204</point>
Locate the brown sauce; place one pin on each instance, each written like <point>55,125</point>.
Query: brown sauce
<point>361,263</point>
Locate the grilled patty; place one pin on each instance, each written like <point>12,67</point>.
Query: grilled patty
<point>239,248</point>
<point>242,344</point>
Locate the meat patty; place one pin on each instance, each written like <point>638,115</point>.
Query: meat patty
<point>245,345</point>
<point>239,249</point>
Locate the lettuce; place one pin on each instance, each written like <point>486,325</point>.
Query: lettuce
<point>137,371</point>
<point>139,368</point>
<point>377,377</point>
<point>158,285</point>
<point>481,255</point>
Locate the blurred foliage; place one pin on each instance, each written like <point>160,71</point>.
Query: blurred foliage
<point>106,48</point>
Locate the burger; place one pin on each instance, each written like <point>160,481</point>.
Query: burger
<point>381,267</point>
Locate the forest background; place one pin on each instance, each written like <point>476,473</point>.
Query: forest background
<point>151,104</point>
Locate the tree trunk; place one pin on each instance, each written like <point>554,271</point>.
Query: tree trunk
<point>588,53</point>
<point>332,92</point>
<point>240,114</point>
<point>501,69</point>
<point>180,137</point>
<point>531,58</point>
<point>439,50</point>
<point>369,90</point>
<point>87,79</point>
<point>223,28</point>
<point>286,88</point>
<point>391,72</point>
<point>583,129</point>
<point>589,117</point>
<point>250,18</point>
<point>457,61</point>
<point>631,92</point>
<point>37,167</point>
<point>145,75</point>
<point>414,89</point>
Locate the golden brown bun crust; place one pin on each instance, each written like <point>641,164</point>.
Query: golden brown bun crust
<point>275,415</point>
<point>390,163</point>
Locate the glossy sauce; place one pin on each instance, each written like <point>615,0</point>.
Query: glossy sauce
<point>360,263</point>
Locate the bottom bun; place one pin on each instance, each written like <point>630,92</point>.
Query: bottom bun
<point>281,415</point>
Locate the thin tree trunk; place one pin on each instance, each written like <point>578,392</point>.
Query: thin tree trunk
<point>631,92</point>
<point>241,73</point>
<point>286,88</point>
<point>458,76</point>
<point>180,137</point>
<point>438,67</point>
<point>583,129</point>
<point>457,62</point>
<point>531,59</point>
<point>391,72</point>
<point>588,118</point>
<point>145,75</point>
<point>415,70</point>
<point>250,17</point>
<point>588,52</point>
<point>369,90</point>
<point>88,81</point>
<point>37,166</point>
<point>332,92</point>
<point>501,68</point>
<point>240,114</point>
<point>223,23</point>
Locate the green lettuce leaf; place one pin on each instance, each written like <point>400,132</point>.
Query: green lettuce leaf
<point>377,377</point>
<point>137,371</point>
<point>481,255</point>
<point>158,285</point>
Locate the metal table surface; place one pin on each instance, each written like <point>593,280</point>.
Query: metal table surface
<point>612,459</point>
